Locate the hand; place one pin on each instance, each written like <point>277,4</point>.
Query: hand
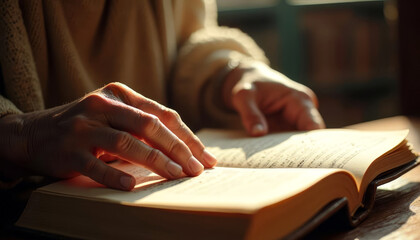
<point>112,121</point>
<point>267,100</point>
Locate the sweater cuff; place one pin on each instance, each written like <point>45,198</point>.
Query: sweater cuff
<point>7,107</point>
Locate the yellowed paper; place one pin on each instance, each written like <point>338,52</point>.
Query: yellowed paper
<point>328,148</point>
<point>232,189</point>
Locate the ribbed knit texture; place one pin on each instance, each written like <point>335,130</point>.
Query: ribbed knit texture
<point>22,86</point>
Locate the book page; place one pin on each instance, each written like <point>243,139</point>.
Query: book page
<point>228,189</point>
<point>328,148</point>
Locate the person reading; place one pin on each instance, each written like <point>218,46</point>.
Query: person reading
<point>85,82</point>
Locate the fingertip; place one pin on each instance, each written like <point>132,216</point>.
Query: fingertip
<point>105,174</point>
<point>195,167</point>
<point>174,169</point>
<point>258,130</point>
<point>209,159</point>
<point>127,182</point>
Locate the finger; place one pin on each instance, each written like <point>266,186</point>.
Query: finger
<point>244,101</point>
<point>174,124</point>
<point>309,117</point>
<point>129,148</point>
<point>301,110</point>
<point>146,127</point>
<point>105,174</point>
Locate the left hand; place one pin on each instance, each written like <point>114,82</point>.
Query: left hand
<point>267,100</point>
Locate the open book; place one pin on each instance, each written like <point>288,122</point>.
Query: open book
<point>277,186</point>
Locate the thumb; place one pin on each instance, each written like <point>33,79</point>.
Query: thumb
<point>253,119</point>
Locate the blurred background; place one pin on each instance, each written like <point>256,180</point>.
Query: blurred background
<point>346,51</point>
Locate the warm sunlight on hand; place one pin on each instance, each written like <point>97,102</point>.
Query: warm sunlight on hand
<point>111,122</point>
<point>267,100</point>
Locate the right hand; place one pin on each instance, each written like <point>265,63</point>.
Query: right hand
<point>70,139</point>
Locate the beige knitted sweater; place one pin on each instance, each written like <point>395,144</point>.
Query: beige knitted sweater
<point>53,52</point>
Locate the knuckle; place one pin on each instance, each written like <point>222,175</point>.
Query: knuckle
<point>172,118</point>
<point>176,147</point>
<point>242,95</point>
<point>298,94</point>
<point>114,86</point>
<point>150,124</point>
<point>93,101</point>
<point>152,157</point>
<point>106,176</point>
<point>194,141</point>
<point>88,166</point>
<point>304,97</point>
<point>123,142</point>
<point>78,124</point>
<point>305,92</point>
<point>116,91</point>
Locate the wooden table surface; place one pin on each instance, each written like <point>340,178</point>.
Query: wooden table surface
<point>396,212</point>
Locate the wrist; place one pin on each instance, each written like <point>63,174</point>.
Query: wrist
<point>13,150</point>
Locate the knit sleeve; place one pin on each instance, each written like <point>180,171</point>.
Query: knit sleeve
<point>20,89</point>
<point>7,107</point>
<point>206,50</point>
<point>19,84</point>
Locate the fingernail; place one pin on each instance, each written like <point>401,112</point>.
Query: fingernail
<point>209,158</point>
<point>126,182</point>
<point>195,166</point>
<point>174,169</point>
<point>258,129</point>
